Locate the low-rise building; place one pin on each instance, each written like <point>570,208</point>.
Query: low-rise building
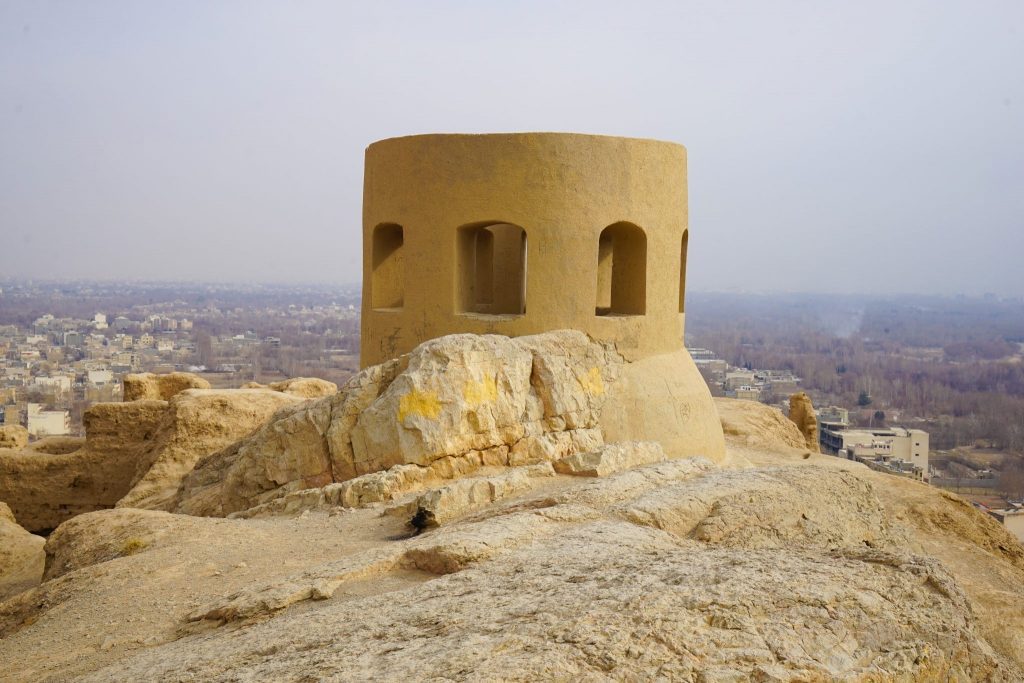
<point>124,359</point>
<point>700,353</point>
<point>734,379</point>
<point>783,386</point>
<point>1012,518</point>
<point>16,373</point>
<point>894,443</point>
<point>54,382</point>
<point>47,422</point>
<point>748,393</point>
<point>99,377</point>
<point>834,417</point>
<point>122,324</point>
<point>72,339</point>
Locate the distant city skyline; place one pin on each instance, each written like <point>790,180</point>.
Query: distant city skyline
<point>864,148</point>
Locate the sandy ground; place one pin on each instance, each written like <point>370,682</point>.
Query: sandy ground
<point>96,614</point>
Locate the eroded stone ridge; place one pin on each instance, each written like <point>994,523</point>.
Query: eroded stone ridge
<point>21,556</point>
<point>134,454</point>
<point>54,479</point>
<point>801,412</point>
<point>148,386</point>
<point>302,387</point>
<point>197,422</point>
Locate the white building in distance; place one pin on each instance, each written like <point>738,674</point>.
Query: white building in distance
<point>100,377</point>
<point>58,382</point>
<point>1012,518</point>
<point>894,443</point>
<point>47,422</point>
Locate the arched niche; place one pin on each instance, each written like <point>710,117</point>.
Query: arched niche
<point>491,269</point>
<point>682,271</point>
<point>387,286</point>
<point>621,270</point>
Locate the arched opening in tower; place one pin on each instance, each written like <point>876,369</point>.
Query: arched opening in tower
<point>492,269</point>
<point>387,286</point>
<point>682,272</point>
<point>621,270</point>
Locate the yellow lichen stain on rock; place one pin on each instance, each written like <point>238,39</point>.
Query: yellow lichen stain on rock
<point>477,393</point>
<point>421,403</point>
<point>592,382</point>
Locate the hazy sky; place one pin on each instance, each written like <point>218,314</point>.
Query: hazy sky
<point>833,146</point>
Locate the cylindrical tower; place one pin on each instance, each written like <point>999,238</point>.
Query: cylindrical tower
<point>523,233</point>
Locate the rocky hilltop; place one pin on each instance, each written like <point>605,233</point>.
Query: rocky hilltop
<point>472,511</point>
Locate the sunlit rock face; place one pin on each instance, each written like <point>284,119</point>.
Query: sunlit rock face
<point>459,403</point>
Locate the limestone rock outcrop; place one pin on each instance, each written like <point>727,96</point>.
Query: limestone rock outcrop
<point>13,436</point>
<point>611,458</point>
<point>453,398</point>
<point>801,413</point>
<point>454,500</point>
<point>759,426</point>
<point>289,450</point>
<point>301,387</point>
<point>453,405</point>
<point>134,454</point>
<point>196,422</point>
<point>147,386</point>
<point>21,556</point>
<point>122,427</point>
<point>57,478</point>
<point>515,536</point>
<point>469,392</point>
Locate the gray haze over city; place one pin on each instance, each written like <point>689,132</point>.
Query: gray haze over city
<point>836,147</point>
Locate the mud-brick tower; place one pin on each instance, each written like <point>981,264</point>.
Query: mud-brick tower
<point>524,233</point>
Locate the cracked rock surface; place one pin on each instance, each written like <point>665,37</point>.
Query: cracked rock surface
<point>679,569</point>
